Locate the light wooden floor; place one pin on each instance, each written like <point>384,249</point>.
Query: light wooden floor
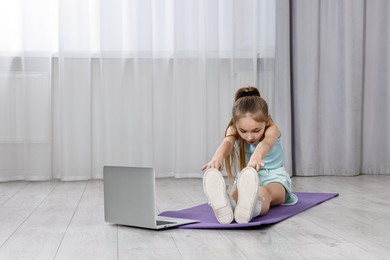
<point>64,220</point>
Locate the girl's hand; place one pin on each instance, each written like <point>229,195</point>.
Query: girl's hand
<point>256,163</point>
<point>213,164</point>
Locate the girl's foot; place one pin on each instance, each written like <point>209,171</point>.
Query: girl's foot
<point>247,204</point>
<point>215,189</point>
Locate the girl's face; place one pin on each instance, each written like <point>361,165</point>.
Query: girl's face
<point>249,129</point>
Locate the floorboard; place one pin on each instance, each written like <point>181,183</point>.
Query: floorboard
<point>87,236</point>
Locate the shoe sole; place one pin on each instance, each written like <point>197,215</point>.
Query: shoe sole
<point>248,186</point>
<point>215,189</point>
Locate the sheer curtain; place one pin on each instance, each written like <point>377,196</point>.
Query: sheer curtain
<point>27,38</point>
<point>114,82</point>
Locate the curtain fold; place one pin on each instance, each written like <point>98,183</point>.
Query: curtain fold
<point>376,99</point>
<point>282,101</point>
<point>25,90</point>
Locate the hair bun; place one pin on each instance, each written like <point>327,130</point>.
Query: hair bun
<point>249,94</point>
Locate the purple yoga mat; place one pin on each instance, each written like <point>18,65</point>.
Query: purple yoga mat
<point>207,219</point>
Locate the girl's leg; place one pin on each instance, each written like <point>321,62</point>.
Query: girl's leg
<point>234,193</point>
<point>270,195</point>
<point>273,194</point>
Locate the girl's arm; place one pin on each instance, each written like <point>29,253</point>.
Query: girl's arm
<point>271,134</point>
<point>225,148</point>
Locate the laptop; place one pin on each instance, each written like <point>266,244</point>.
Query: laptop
<point>129,199</point>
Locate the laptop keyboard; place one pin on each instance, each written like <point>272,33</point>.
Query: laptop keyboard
<point>162,222</point>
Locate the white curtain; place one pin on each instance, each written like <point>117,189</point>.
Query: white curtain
<point>126,82</point>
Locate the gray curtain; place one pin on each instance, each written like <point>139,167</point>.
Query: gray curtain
<point>337,70</point>
<point>281,111</point>
<point>376,98</point>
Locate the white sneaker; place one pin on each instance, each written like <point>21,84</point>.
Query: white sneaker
<point>248,202</point>
<point>215,189</point>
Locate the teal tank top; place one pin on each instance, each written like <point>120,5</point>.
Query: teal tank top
<point>273,160</point>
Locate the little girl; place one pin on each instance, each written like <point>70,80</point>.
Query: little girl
<point>254,138</point>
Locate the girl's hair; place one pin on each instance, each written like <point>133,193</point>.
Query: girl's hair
<point>246,100</point>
